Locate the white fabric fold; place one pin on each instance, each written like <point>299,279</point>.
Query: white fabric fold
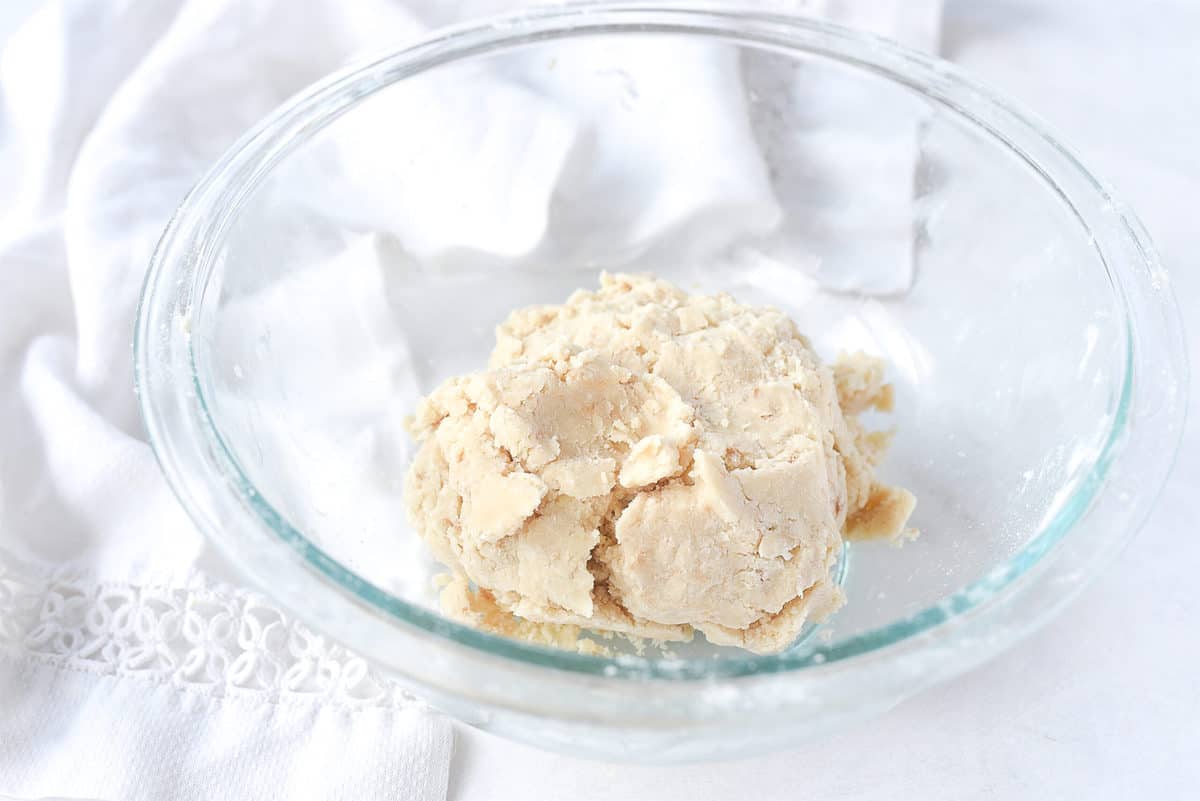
<point>118,691</point>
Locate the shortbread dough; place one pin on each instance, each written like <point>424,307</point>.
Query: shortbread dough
<point>644,461</point>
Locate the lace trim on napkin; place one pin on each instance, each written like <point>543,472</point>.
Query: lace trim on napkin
<point>221,641</point>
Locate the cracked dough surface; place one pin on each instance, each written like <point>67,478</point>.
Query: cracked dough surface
<point>645,461</point>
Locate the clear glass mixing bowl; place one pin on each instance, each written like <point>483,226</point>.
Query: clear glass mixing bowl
<point>360,245</point>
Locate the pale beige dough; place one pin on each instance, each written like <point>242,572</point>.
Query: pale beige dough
<point>644,461</point>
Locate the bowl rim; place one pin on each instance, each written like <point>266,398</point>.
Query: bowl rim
<point>214,490</point>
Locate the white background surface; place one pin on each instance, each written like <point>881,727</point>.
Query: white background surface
<point>1105,701</point>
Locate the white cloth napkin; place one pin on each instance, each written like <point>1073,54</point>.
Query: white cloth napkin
<point>132,666</point>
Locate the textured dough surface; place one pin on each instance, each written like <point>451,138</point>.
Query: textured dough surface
<point>649,462</point>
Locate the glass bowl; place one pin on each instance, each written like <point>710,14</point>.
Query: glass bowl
<point>360,245</point>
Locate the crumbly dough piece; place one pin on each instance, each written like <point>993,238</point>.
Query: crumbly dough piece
<point>644,461</point>
<point>478,608</point>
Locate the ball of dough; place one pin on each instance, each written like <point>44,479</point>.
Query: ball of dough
<point>645,461</point>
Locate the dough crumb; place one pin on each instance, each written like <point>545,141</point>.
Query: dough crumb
<point>883,516</point>
<point>478,608</point>
<point>650,463</point>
